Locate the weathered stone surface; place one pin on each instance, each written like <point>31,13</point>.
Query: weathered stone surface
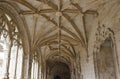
<point>71,32</point>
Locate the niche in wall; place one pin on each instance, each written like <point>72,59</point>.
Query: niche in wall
<point>105,60</point>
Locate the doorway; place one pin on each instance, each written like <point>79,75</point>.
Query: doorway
<point>58,70</point>
<point>57,77</point>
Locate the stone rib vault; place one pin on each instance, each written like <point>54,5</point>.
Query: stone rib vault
<point>59,39</point>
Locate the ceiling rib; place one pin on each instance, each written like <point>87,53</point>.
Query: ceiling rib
<point>75,27</point>
<point>66,56</point>
<point>63,37</point>
<point>69,32</point>
<point>65,51</point>
<point>42,11</point>
<point>41,36</point>
<point>73,54</point>
<point>34,28</point>
<point>71,11</point>
<point>78,7</point>
<point>50,4</point>
<point>48,18</point>
<point>26,4</point>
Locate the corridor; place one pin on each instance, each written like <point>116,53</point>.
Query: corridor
<point>59,39</point>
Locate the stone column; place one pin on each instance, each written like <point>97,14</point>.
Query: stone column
<point>8,62</point>
<point>38,70</point>
<point>33,66</point>
<point>117,54</point>
<point>16,63</point>
<point>30,67</point>
<point>25,66</point>
<point>44,70</point>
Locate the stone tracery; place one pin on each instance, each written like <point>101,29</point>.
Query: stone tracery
<point>9,35</point>
<point>103,34</point>
<point>57,33</point>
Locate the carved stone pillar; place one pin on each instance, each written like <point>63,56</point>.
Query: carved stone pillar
<point>16,62</point>
<point>25,65</point>
<point>8,62</point>
<point>30,67</point>
<point>44,71</point>
<point>38,71</point>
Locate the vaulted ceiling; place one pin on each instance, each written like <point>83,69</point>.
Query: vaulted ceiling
<point>60,27</point>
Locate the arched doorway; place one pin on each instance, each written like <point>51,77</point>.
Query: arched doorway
<point>58,70</point>
<point>57,77</point>
<point>106,60</point>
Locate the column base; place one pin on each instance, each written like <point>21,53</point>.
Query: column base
<point>6,76</point>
